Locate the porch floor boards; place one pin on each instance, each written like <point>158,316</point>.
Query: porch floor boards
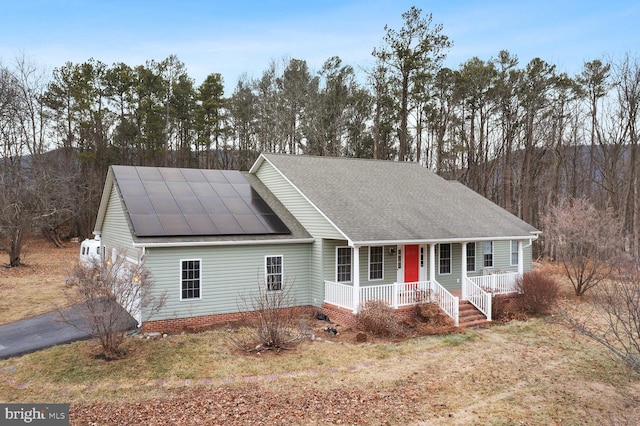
<point>470,317</point>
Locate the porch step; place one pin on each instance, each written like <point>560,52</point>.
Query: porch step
<point>470,317</point>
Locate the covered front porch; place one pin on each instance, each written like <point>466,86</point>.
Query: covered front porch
<point>422,285</point>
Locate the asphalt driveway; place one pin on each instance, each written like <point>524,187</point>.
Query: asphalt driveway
<point>46,330</point>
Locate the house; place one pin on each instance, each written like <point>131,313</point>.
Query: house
<point>336,231</point>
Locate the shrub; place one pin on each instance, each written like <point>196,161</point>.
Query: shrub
<point>272,321</point>
<point>430,313</point>
<point>539,292</point>
<point>377,317</point>
<point>506,308</point>
<point>110,292</point>
<point>432,320</point>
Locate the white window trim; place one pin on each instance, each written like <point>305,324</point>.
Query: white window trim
<point>190,299</point>
<point>475,256</point>
<point>369,264</point>
<point>440,258</point>
<point>511,252</point>
<point>336,262</point>
<point>484,253</point>
<point>266,284</point>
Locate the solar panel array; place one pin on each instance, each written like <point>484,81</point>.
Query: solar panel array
<point>166,202</point>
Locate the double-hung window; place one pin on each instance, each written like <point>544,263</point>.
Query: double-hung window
<point>376,260</point>
<point>471,257</point>
<point>514,252</point>
<point>444,254</point>
<point>273,272</point>
<point>343,264</point>
<point>190,274</point>
<point>488,254</point>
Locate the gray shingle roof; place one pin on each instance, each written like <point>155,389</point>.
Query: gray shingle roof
<point>378,201</point>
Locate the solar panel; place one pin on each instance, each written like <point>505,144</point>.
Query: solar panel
<point>190,202</point>
<point>165,205</point>
<point>174,224</point>
<point>190,205</point>
<point>215,176</point>
<point>273,222</point>
<point>237,206</point>
<point>140,205</point>
<point>250,224</point>
<point>147,225</point>
<point>148,174</point>
<point>180,188</point>
<point>193,175</point>
<point>171,175</point>
<point>133,188</point>
<point>227,224</point>
<point>225,190</point>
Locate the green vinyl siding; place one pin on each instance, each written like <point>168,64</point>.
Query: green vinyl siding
<point>329,263</point>
<point>389,267</point>
<point>329,258</point>
<point>308,216</point>
<point>527,256</point>
<point>314,222</point>
<point>450,281</point>
<point>316,281</point>
<point>115,229</point>
<point>501,262</point>
<point>502,258</point>
<point>228,274</point>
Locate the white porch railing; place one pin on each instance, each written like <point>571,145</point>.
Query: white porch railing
<point>396,295</point>
<point>477,296</point>
<point>501,283</point>
<point>338,294</point>
<point>447,301</point>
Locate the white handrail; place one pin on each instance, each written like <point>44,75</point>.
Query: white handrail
<point>447,301</point>
<point>477,296</point>
<point>501,283</point>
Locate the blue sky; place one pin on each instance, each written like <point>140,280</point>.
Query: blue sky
<point>236,37</point>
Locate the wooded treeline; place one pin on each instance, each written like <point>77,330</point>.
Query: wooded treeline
<point>523,135</point>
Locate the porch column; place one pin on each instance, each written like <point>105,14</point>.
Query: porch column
<point>356,279</point>
<point>432,262</point>
<point>463,270</point>
<point>520,258</point>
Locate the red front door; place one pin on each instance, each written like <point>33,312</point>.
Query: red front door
<point>411,262</point>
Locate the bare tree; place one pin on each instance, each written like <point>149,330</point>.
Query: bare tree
<point>627,83</point>
<point>587,242</point>
<point>32,181</point>
<point>111,292</point>
<point>613,316</point>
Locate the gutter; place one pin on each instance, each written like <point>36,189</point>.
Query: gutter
<point>444,240</point>
<point>223,243</point>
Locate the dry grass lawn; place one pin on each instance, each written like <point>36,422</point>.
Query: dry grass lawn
<point>36,287</point>
<point>534,372</point>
